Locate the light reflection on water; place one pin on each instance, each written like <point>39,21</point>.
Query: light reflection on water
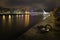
<point>3,21</point>
<point>9,19</point>
<point>17,19</point>
<point>9,16</point>
<point>3,17</point>
<point>11,25</point>
<point>26,20</point>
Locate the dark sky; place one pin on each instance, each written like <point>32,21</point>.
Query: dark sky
<point>32,3</point>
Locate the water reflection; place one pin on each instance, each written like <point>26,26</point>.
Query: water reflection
<point>26,20</point>
<point>9,17</point>
<point>14,25</point>
<point>17,19</point>
<point>3,17</point>
<point>4,20</point>
<point>17,16</point>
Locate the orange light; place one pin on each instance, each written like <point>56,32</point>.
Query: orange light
<point>3,17</point>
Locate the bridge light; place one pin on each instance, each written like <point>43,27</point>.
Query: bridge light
<point>45,14</point>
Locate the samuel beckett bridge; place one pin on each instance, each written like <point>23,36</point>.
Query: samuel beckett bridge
<point>25,11</point>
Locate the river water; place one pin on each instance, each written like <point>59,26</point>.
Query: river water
<point>12,26</point>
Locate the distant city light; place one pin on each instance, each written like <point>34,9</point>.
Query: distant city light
<point>27,12</point>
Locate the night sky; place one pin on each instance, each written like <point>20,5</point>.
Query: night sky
<point>45,4</point>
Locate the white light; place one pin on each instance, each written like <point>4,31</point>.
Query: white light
<point>9,16</point>
<point>45,14</point>
<point>27,12</point>
<point>19,12</point>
